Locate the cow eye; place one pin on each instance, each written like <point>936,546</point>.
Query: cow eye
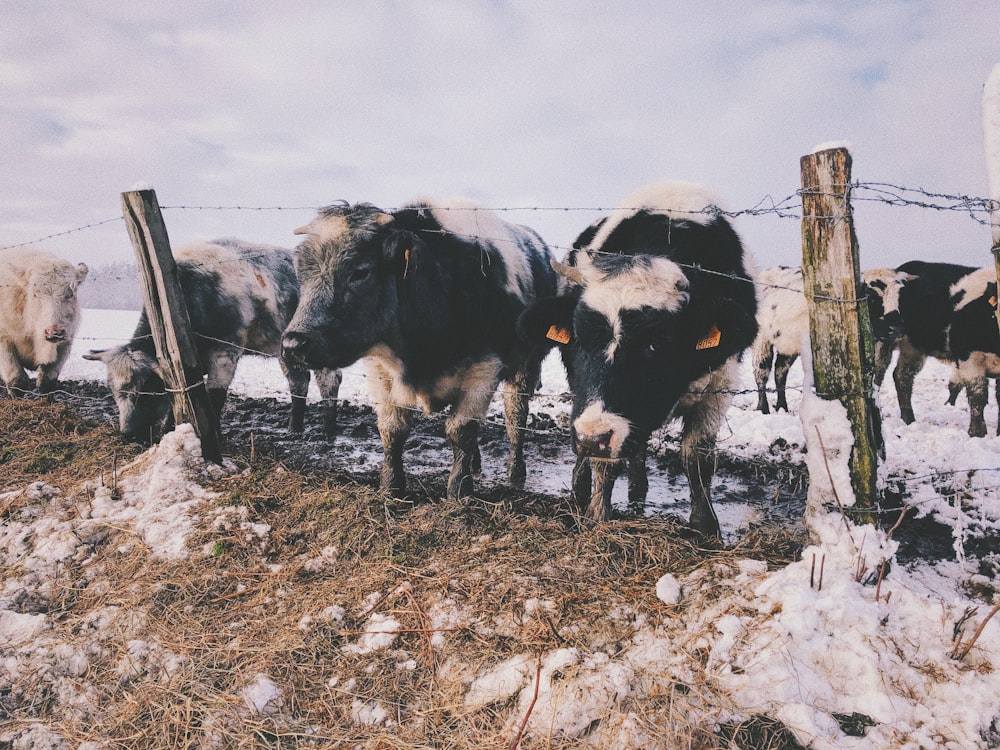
<point>359,274</point>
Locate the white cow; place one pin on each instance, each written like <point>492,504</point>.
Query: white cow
<point>783,318</point>
<point>39,316</point>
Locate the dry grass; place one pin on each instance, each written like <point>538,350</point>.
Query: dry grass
<point>217,620</point>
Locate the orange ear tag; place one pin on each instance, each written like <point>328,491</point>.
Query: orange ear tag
<point>558,334</point>
<point>993,302</point>
<point>406,259</point>
<point>711,340</point>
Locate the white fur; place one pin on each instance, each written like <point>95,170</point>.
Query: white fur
<point>661,285</point>
<point>470,388</point>
<point>974,285</point>
<point>683,201</point>
<point>37,293</point>
<point>595,420</point>
<point>468,220</point>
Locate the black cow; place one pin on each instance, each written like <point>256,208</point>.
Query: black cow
<point>659,308</point>
<point>429,296</point>
<point>948,312</point>
<point>239,297</point>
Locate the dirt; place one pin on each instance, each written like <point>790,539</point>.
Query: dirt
<point>769,491</point>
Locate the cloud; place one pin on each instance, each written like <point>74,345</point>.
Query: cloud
<point>511,103</point>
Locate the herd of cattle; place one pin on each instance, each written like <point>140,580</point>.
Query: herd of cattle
<point>652,310</point>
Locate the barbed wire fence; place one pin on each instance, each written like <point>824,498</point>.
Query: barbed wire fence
<point>978,209</point>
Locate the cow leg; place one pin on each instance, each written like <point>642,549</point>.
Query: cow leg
<point>393,428</point>
<point>910,362</point>
<point>329,382</point>
<point>604,474</point>
<point>13,375</point>
<point>782,364</point>
<point>883,358</point>
<point>638,483</point>
<point>221,368</point>
<point>582,483</point>
<point>701,421</point>
<point>955,386</point>
<point>516,393</point>
<point>47,377</point>
<point>972,374</point>
<point>463,435</point>
<point>763,355</point>
<point>699,467</point>
<point>298,386</point>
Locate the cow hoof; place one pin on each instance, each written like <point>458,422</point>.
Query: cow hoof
<point>907,416</point>
<point>977,430</point>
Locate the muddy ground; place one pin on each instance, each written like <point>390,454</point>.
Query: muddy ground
<point>771,490</point>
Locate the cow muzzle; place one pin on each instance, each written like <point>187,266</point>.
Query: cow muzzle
<point>295,347</point>
<point>889,328</point>
<point>593,446</point>
<point>55,334</point>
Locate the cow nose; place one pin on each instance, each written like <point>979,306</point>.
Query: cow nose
<point>55,333</point>
<point>294,347</point>
<point>593,446</point>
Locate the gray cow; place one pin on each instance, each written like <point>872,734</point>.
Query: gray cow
<point>239,297</point>
<point>429,296</point>
<point>39,316</point>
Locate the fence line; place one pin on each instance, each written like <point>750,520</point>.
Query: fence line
<point>795,473</point>
<point>784,208</point>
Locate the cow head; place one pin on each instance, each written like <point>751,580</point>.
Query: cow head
<point>138,389</point>
<point>348,266</point>
<point>51,305</point>
<point>635,333</point>
<point>882,287</point>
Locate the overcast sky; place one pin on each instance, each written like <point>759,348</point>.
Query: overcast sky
<point>514,104</point>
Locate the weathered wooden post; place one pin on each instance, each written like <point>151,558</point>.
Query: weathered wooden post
<point>168,318</point>
<point>991,139</point>
<point>839,324</point>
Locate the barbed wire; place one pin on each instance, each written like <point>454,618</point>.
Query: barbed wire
<point>794,473</point>
<point>788,208</point>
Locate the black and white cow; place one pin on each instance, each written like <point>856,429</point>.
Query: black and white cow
<point>783,317</point>
<point>239,297</point>
<point>659,309</point>
<point>948,312</point>
<point>428,295</point>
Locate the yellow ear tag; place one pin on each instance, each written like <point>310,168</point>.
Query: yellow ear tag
<point>558,334</point>
<point>711,340</point>
<point>993,302</point>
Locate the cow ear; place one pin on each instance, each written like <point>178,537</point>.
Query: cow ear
<point>81,272</point>
<point>733,328</point>
<point>548,321</point>
<point>96,355</point>
<point>400,250</point>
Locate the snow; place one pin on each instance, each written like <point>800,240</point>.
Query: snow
<point>800,644</point>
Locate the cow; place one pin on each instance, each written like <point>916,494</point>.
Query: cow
<point>39,316</point>
<point>948,312</point>
<point>428,296</point>
<point>656,312</point>
<point>783,318</point>
<point>239,298</point>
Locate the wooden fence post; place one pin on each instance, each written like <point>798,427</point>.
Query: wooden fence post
<point>168,319</point>
<point>991,139</point>
<point>839,323</point>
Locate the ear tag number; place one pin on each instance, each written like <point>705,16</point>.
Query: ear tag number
<point>711,340</point>
<point>558,334</point>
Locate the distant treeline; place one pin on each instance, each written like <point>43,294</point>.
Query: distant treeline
<point>112,287</point>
